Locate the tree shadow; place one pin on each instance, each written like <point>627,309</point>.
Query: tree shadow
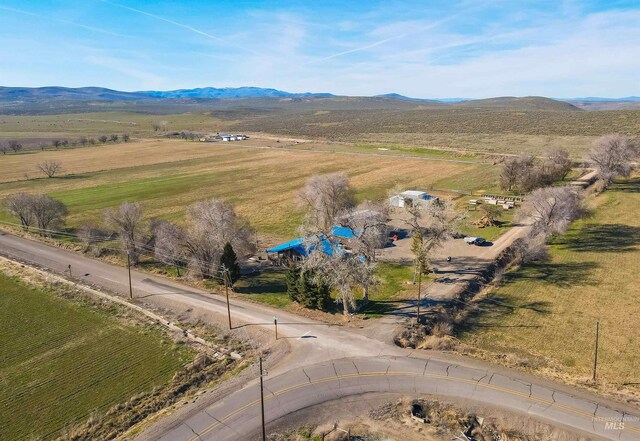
<point>489,312</point>
<point>381,307</point>
<point>266,282</point>
<point>557,274</point>
<point>626,186</point>
<point>604,238</point>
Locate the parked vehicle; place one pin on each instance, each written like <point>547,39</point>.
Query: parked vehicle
<point>474,240</point>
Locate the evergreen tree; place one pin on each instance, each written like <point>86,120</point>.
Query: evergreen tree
<point>311,293</point>
<point>293,281</point>
<point>304,289</point>
<point>229,260</point>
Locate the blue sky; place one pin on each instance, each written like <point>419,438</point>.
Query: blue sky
<point>428,49</point>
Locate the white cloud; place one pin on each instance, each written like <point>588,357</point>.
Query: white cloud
<point>145,80</point>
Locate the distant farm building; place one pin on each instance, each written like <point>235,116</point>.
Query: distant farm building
<point>411,198</point>
<point>228,137</point>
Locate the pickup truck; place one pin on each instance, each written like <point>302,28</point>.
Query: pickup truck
<point>474,240</point>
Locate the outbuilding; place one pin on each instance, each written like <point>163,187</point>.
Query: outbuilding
<point>411,198</point>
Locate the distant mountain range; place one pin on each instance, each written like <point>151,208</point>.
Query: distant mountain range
<point>42,98</point>
<point>232,92</point>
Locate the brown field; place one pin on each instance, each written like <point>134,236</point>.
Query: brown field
<point>167,176</point>
<point>493,131</point>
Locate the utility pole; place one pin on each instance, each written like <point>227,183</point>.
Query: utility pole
<point>595,356</point>
<point>275,322</point>
<point>225,277</point>
<point>264,432</point>
<point>129,268</point>
<point>419,289</point>
<point>70,276</point>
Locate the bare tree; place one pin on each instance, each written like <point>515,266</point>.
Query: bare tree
<point>114,138</point>
<point>4,148</point>
<point>49,213</point>
<point>530,248</point>
<point>325,197</point>
<point>368,225</point>
<point>49,168</point>
<point>509,174</point>
<point>103,139</point>
<point>517,172</point>
<point>83,140</point>
<point>21,206</point>
<point>128,222</point>
<point>169,241</point>
<point>612,156</point>
<point>213,223</point>
<point>431,224</point>
<point>551,210</point>
<point>15,146</point>
<point>558,164</point>
<point>90,236</point>
<point>337,270</point>
<point>126,137</point>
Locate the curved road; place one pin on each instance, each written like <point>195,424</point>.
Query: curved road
<point>238,416</point>
<point>360,364</point>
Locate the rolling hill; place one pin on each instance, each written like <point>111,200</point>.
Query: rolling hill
<point>518,103</point>
<point>66,93</point>
<point>52,100</point>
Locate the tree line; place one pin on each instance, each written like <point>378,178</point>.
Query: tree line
<point>551,209</point>
<point>611,155</point>
<point>15,145</point>
<point>214,238</point>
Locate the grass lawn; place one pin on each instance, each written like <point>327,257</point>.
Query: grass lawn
<point>549,310</point>
<point>167,176</point>
<point>392,289</point>
<point>270,287</point>
<point>61,361</point>
<point>505,220</point>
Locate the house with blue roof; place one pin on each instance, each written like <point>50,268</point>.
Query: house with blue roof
<point>298,249</point>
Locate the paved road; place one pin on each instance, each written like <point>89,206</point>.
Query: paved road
<point>311,378</point>
<point>238,416</point>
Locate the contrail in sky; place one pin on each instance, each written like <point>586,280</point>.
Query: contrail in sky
<point>181,25</point>
<point>60,20</point>
<point>396,37</point>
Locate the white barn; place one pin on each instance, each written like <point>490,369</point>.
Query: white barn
<point>411,198</point>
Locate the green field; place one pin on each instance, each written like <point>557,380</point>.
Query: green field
<point>168,176</point>
<point>546,312</point>
<point>62,361</point>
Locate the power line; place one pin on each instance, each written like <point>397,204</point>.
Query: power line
<point>151,252</point>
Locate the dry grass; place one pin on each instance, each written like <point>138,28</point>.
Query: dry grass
<point>501,131</point>
<point>167,176</point>
<point>548,310</point>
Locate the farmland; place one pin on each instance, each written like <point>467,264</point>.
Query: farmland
<point>468,129</point>
<point>63,361</point>
<point>492,131</point>
<point>168,175</point>
<point>546,312</point>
